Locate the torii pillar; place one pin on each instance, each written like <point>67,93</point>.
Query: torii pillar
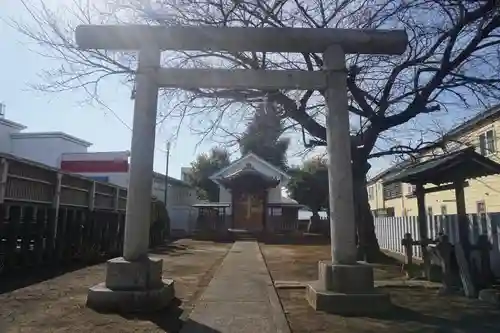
<point>345,286</point>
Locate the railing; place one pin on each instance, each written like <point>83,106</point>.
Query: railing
<point>52,218</point>
<point>391,230</point>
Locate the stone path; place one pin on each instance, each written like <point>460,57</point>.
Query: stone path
<point>240,297</point>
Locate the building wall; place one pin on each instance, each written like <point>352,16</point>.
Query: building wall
<point>274,194</point>
<point>44,150</point>
<point>176,195</point>
<point>185,173</point>
<point>375,195</point>
<point>484,189</point>
<point>5,131</point>
<point>225,197</point>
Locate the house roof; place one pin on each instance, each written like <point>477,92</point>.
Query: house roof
<point>490,114</point>
<point>461,164</point>
<point>171,180</point>
<point>12,124</point>
<point>248,156</point>
<point>43,135</point>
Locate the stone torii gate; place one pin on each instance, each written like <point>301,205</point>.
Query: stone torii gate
<point>135,281</point>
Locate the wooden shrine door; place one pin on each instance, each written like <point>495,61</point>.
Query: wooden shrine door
<point>248,211</point>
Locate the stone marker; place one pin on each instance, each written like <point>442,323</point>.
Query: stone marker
<point>443,250</point>
<point>465,274</point>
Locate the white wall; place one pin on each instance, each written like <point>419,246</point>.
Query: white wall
<point>177,196</point>
<point>225,197</point>
<point>44,150</point>
<point>5,143</point>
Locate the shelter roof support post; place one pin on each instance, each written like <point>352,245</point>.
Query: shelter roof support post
<point>135,281</point>
<point>463,221</point>
<point>463,247</point>
<point>422,228</point>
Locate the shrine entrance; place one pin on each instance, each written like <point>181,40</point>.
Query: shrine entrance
<point>249,192</point>
<point>249,210</point>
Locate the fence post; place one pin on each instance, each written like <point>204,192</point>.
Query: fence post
<point>56,201</point>
<point>116,202</point>
<point>92,196</point>
<point>3,178</point>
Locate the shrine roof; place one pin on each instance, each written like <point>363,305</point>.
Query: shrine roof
<point>248,172</point>
<point>249,158</point>
<point>461,164</point>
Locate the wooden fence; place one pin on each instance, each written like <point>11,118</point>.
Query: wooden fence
<point>390,231</point>
<point>48,217</point>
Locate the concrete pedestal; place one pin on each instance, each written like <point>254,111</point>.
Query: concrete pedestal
<point>346,290</point>
<point>132,286</point>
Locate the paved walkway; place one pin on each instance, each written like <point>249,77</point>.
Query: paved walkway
<point>240,297</point>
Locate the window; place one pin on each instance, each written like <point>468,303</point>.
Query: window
<point>429,210</point>
<point>370,192</point>
<point>481,207</point>
<point>487,143</point>
<point>411,189</point>
<point>392,191</point>
<point>444,210</point>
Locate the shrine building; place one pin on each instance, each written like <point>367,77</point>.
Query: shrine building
<point>250,198</point>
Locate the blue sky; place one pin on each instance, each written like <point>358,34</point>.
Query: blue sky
<point>20,67</point>
<point>65,112</point>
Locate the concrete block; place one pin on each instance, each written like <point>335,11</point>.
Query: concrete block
<point>144,274</point>
<point>347,304</point>
<point>348,279</point>
<point>490,295</point>
<point>101,298</point>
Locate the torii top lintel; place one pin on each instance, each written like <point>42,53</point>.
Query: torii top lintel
<point>238,39</point>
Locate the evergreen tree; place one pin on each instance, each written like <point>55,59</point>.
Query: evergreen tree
<point>205,166</point>
<point>262,137</point>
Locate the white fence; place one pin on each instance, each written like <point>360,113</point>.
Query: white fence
<point>390,231</point>
<point>182,219</point>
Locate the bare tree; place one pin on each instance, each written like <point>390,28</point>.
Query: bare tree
<point>452,62</point>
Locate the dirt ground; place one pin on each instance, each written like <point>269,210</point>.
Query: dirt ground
<point>58,304</point>
<point>416,310</point>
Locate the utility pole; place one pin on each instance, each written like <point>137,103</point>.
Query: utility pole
<point>166,173</point>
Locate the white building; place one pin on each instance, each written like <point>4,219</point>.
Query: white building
<point>70,154</point>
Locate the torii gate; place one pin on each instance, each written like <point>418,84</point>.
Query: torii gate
<point>344,286</point>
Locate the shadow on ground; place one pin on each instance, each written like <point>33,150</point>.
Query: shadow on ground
<point>479,320</point>
<point>172,249</point>
<point>26,277</point>
<point>291,239</point>
<point>171,319</point>
<point>21,278</point>
<point>415,310</point>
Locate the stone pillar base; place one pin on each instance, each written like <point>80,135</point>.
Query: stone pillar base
<point>132,286</point>
<point>346,290</point>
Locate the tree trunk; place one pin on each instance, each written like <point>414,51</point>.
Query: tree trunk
<point>368,248</point>
<point>314,222</point>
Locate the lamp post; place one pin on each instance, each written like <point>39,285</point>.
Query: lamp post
<point>166,174</point>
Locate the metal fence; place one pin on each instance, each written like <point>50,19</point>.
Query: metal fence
<point>390,231</point>
<point>50,217</point>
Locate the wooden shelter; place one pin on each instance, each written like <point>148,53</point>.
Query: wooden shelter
<point>446,172</point>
